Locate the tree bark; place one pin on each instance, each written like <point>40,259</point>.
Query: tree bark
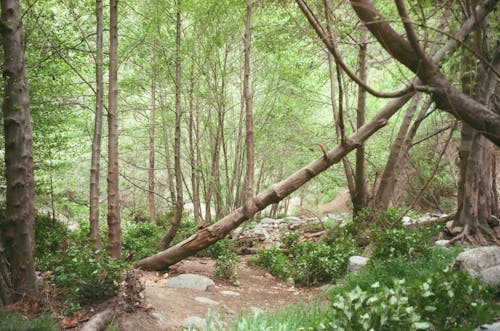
<point>179,203</point>
<point>359,200</point>
<point>95,163</point>
<point>152,125</point>
<point>166,145</point>
<point>248,112</point>
<point>194,163</point>
<point>276,193</point>
<point>114,231</point>
<point>20,209</point>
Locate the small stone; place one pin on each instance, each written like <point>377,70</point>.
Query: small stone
<point>290,281</point>
<point>489,327</point>
<point>206,301</point>
<point>357,262</point>
<point>256,310</point>
<point>443,243</point>
<point>195,322</point>
<point>191,281</point>
<point>232,293</point>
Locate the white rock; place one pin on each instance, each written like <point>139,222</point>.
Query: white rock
<point>489,327</point>
<point>356,263</point>
<point>160,319</point>
<point>475,260</point>
<point>232,293</point>
<point>195,322</point>
<point>206,301</point>
<point>490,276</point>
<point>191,281</point>
<point>443,243</point>
<point>256,310</point>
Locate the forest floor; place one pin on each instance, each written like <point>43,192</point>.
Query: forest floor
<point>168,308</point>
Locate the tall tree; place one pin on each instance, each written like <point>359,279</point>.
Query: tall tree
<point>151,170</point>
<point>114,230</point>
<point>20,209</point>
<point>248,109</point>
<point>95,162</point>
<point>179,203</point>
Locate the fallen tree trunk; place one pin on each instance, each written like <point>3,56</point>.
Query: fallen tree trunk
<point>99,321</point>
<point>274,194</point>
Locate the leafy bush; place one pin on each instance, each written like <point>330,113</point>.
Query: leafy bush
<point>186,228</point>
<point>14,322</point>
<point>444,300</point>
<point>50,236</point>
<point>142,239</point>
<point>221,247</point>
<point>396,242</point>
<point>87,274</point>
<point>274,261</point>
<point>226,265</point>
<point>314,263</point>
<point>290,239</point>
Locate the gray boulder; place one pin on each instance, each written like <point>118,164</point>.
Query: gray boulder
<point>356,263</point>
<point>195,322</point>
<point>191,281</point>
<point>489,327</point>
<point>490,277</point>
<point>475,260</point>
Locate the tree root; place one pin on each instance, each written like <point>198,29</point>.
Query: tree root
<point>482,238</point>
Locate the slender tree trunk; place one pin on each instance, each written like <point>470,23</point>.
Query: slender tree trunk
<point>179,203</point>
<point>5,282</point>
<point>248,111</point>
<point>359,201</point>
<point>20,209</point>
<point>152,125</point>
<point>114,230</point>
<point>95,163</point>
<point>388,179</point>
<point>195,181</point>
<point>166,145</point>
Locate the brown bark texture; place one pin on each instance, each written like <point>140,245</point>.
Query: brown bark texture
<point>114,230</point>
<point>95,163</point>
<point>179,203</point>
<point>248,110</point>
<point>152,126</point>
<point>20,209</point>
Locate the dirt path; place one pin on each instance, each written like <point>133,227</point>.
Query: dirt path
<point>168,308</point>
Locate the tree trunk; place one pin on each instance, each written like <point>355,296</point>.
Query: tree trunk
<point>5,283</point>
<point>195,177</point>
<point>95,163</point>
<point>276,193</point>
<point>152,125</point>
<point>179,203</point>
<point>166,145</point>
<point>248,112</point>
<point>20,209</point>
<point>114,231</point>
<point>359,200</point>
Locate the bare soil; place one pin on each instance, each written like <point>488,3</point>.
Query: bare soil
<point>166,308</point>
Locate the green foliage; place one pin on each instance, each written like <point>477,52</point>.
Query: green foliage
<point>290,239</point>
<point>274,261</point>
<point>445,300</point>
<point>308,263</point>
<point>87,274</point>
<point>226,265</point>
<point>396,242</point>
<point>186,228</point>
<point>315,263</point>
<point>15,322</point>
<point>50,236</point>
<point>142,239</point>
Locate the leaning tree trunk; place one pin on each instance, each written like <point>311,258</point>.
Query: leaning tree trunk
<point>20,209</point>
<point>152,126</point>
<point>95,163</point>
<point>179,202</point>
<point>114,231</point>
<point>276,193</point>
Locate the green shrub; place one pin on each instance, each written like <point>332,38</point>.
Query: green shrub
<point>444,300</point>
<point>399,242</point>
<point>142,239</point>
<point>314,263</point>
<point>186,229</point>
<point>273,260</point>
<point>88,275</point>
<point>290,239</point>
<point>50,236</point>
<point>14,322</point>
<point>221,247</point>
<point>226,265</point>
